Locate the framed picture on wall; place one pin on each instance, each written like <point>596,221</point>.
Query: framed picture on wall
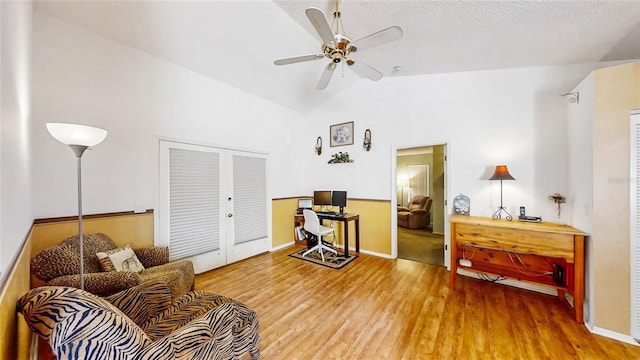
<point>341,134</point>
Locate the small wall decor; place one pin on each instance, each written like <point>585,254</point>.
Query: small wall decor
<point>341,134</point>
<point>366,144</point>
<point>319,145</point>
<point>574,97</point>
<point>340,158</point>
<point>558,199</point>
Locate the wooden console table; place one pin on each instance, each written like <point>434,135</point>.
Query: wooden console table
<point>530,252</point>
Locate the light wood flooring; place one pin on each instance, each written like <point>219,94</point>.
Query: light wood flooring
<point>376,308</point>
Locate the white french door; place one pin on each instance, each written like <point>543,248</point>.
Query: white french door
<point>248,208</point>
<point>213,204</point>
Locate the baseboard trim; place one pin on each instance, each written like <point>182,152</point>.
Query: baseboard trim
<point>515,283</point>
<point>612,335</point>
<point>285,245</point>
<point>373,253</point>
<point>386,256</point>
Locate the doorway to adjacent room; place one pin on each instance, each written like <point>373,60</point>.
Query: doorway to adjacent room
<point>420,180</point>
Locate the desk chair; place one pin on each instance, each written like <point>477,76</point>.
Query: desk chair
<point>312,225</point>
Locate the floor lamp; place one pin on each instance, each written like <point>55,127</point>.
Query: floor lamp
<point>79,138</point>
<point>501,173</point>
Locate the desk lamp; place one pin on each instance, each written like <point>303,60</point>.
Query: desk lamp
<point>501,173</point>
<point>79,138</point>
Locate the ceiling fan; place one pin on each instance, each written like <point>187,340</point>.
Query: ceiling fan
<point>338,47</point>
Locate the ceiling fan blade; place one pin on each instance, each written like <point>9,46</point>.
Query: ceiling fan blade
<point>319,22</point>
<point>366,71</point>
<point>326,76</point>
<point>297,59</point>
<point>378,38</point>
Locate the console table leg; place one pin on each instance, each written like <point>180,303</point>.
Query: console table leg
<point>453,264</point>
<point>578,282</point>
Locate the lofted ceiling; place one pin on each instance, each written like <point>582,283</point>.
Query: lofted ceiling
<point>235,42</point>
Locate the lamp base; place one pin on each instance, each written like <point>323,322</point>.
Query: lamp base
<point>498,214</point>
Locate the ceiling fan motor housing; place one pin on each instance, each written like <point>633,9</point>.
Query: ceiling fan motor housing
<point>339,49</point>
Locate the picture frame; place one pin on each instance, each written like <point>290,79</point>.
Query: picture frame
<point>341,134</point>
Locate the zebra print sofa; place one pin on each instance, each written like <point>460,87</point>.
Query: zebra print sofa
<point>141,323</point>
<point>60,266</point>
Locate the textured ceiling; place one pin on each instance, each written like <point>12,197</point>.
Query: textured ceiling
<point>236,41</point>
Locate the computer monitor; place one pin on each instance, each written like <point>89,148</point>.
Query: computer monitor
<point>305,204</point>
<point>339,198</point>
<point>322,197</point>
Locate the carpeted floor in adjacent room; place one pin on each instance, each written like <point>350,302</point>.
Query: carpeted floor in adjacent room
<point>421,245</point>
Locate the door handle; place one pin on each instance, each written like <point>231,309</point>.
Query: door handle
<point>229,215</point>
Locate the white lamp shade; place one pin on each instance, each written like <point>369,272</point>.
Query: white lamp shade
<point>74,134</point>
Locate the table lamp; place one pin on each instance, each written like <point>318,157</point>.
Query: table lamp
<point>501,173</point>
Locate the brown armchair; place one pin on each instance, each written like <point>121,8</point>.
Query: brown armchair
<point>417,215</point>
<point>60,266</point>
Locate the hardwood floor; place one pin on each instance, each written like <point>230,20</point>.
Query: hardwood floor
<point>377,308</point>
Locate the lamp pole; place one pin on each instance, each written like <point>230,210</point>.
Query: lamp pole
<point>79,150</point>
<point>79,138</point>
<point>498,214</point>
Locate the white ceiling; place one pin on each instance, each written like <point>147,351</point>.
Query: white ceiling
<point>236,41</point>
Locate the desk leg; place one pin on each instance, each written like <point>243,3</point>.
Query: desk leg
<point>346,238</point>
<point>358,236</point>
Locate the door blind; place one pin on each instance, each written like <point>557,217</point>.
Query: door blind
<point>249,199</point>
<point>634,220</point>
<point>194,203</point>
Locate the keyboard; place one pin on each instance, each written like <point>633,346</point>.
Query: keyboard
<point>329,213</point>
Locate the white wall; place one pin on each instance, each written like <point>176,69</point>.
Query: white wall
<point>15,172</point>
<point>83,78</point>
<point>580,195</point>
<point>514,117</point>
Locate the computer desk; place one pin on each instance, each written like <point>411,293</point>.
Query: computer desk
<point>345,218</point>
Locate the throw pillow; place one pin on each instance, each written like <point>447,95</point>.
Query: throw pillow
<point>121,259</point>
